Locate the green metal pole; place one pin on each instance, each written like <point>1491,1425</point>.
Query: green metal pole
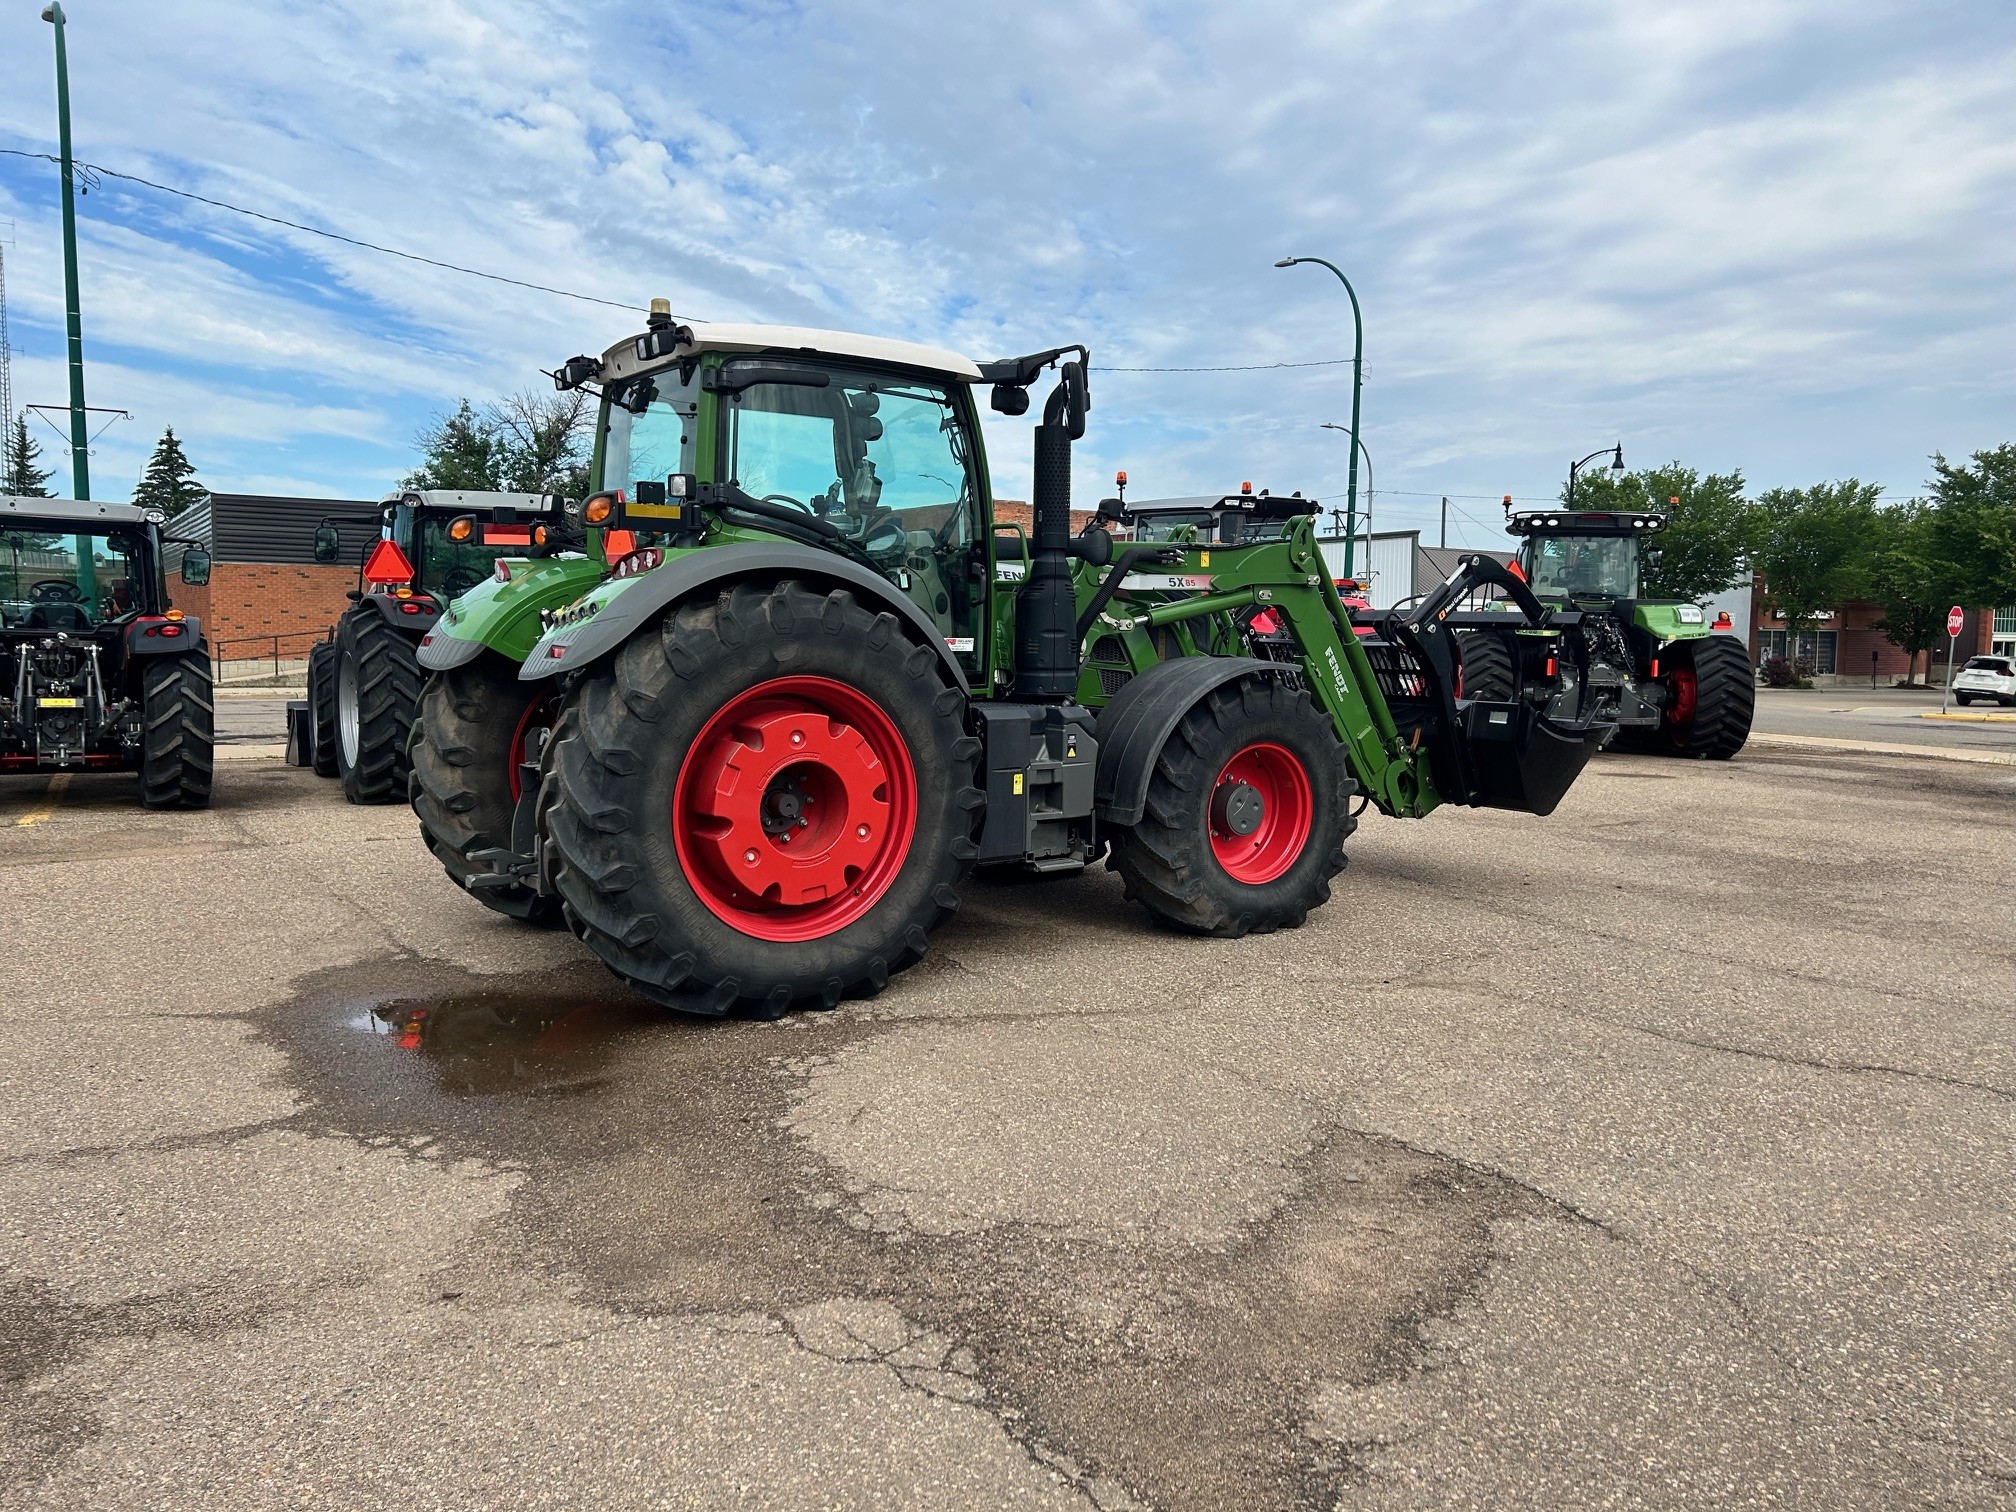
<point>1357,390</point>
<point>80,435</point>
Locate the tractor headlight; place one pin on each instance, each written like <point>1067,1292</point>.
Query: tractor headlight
<point>1690,614</point>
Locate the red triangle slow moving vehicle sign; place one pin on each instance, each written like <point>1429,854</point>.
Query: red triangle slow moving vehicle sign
<point>387,564</point>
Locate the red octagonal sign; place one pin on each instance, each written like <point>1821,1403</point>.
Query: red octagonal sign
<point>1953,619</point>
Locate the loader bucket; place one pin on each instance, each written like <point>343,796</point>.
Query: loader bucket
<point>1522,759</point>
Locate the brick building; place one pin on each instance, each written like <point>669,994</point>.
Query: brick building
<point>267,595</point>
<point>1844,646</point>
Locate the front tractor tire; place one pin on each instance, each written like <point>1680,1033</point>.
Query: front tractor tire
<point>178,733</point>
<point>1711,693</point>
<point>378,680</point>
<point>764,803</point>
<point>472,729</point>
<point>1248,809</point>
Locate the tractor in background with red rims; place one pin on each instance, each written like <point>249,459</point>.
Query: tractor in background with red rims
<point>363,679</point>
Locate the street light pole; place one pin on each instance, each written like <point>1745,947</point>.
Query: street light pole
<point>1371,488</point>
<point>80,435</point>
<point>1616,455</point>
<point>1357,388</point>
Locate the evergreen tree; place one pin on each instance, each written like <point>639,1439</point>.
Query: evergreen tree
<point>461,450</point>
<point>169,483</point>
<point>20,473</point>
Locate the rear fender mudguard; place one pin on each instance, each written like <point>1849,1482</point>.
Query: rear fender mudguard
<point>617,610</point>
<point>504,617</point>
<point>1141,717</point>
<point>140,643</point>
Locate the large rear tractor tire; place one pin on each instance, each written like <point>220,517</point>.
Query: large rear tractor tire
<point>1248,809</point>
<point>377,688</point>
<point>470,733</point>
<point>178,733</point>
<point>765,803</point>
<point>1485,669</point>
<point>322,706</point>
<point>1711,693</point>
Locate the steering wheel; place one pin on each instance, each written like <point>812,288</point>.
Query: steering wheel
<point>460,581</point>
<point>56,591</point>
<point>798,504</point>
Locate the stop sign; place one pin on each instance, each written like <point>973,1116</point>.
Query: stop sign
<point>1953,618</point>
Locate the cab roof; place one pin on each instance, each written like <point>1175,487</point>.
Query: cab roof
<point>466,501</point>
<point>621,360</point>
<point>15,507</point>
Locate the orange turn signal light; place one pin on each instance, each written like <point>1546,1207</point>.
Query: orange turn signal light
<point>599,508</point>
<point>173,614</point>
<point>462,528</point>
<point>538,535</point>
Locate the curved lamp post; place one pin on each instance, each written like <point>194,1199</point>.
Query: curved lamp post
<point>1357,387</point>
<point>1616,455</point>
<point>80,437</point>
<point>1371,485</point>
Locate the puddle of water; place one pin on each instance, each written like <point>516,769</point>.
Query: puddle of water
<point>482,1043</point>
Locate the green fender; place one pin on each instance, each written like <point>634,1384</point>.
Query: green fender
<point>504,617</point>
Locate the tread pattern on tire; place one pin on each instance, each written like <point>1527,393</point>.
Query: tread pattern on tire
<point>605,811</point>
<point>1166,860</point>
<point>1487,668</point>
<point>388,690</point>
<point>1725,697</point>
<point>178,735</point>
<point>460,780</point>
<point>322,705</point>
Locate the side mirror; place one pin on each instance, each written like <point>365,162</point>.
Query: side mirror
<point>326,543</point>
<point>1654,556</point>
<point>196,565</point>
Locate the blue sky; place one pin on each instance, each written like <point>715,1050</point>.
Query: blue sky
<point>1774,236</point>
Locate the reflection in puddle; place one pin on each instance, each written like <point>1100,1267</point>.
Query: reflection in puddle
<point>480,1043</point>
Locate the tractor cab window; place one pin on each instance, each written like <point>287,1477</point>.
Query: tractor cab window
<point>70,582</point>
<point>648,431</point>
<point>887,460</point>
<point>1588,566</point>
<point>452,568</point>
<point>1164,525</point>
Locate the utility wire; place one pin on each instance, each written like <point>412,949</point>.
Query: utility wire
<point>1249,367</point>
<point>93,170</point>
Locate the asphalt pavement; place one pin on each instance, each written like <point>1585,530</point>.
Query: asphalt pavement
<point>1895,716</point>
<point>1657,1153</point>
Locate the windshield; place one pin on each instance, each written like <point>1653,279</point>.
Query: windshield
<point>70,582</point>
<point>1593,566</point>
<point>1987,664</point>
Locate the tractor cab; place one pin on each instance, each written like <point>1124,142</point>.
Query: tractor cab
<point>1569,556</point>
<point>1242,519</point>
<point>436,544</point>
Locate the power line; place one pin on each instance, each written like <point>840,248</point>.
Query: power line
<point>432,262</point>
<point>1249,367</point>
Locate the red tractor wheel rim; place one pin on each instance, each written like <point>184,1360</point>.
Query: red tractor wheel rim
<point>795,808</point>
<point>1287,813</point>
<point>538,715</point>
<point>1680,707</point>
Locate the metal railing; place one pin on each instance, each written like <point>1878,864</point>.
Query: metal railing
<point>224,666</point>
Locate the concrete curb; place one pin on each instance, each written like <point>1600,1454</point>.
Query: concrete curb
<point>1880,748</point>
<point>1974,718</point>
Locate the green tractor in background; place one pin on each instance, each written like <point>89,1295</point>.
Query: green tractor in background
<point>1680,686</point>
<point>820,683</point>
<point>429,546</point>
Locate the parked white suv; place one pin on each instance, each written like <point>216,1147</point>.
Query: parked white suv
<point>1990,677</point>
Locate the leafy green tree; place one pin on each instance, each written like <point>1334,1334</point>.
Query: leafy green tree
<point>1710,531</point>
<point>169,482</point>
<point>1971,536</point>
<point>21,472</point>
<point>1815,549</point>
<point>1907,578</point>
<point>526,442</point>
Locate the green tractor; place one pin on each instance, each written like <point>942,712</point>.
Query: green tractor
<point>820,683</point>
<point>364,679</point>
<point>1681,687</point>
